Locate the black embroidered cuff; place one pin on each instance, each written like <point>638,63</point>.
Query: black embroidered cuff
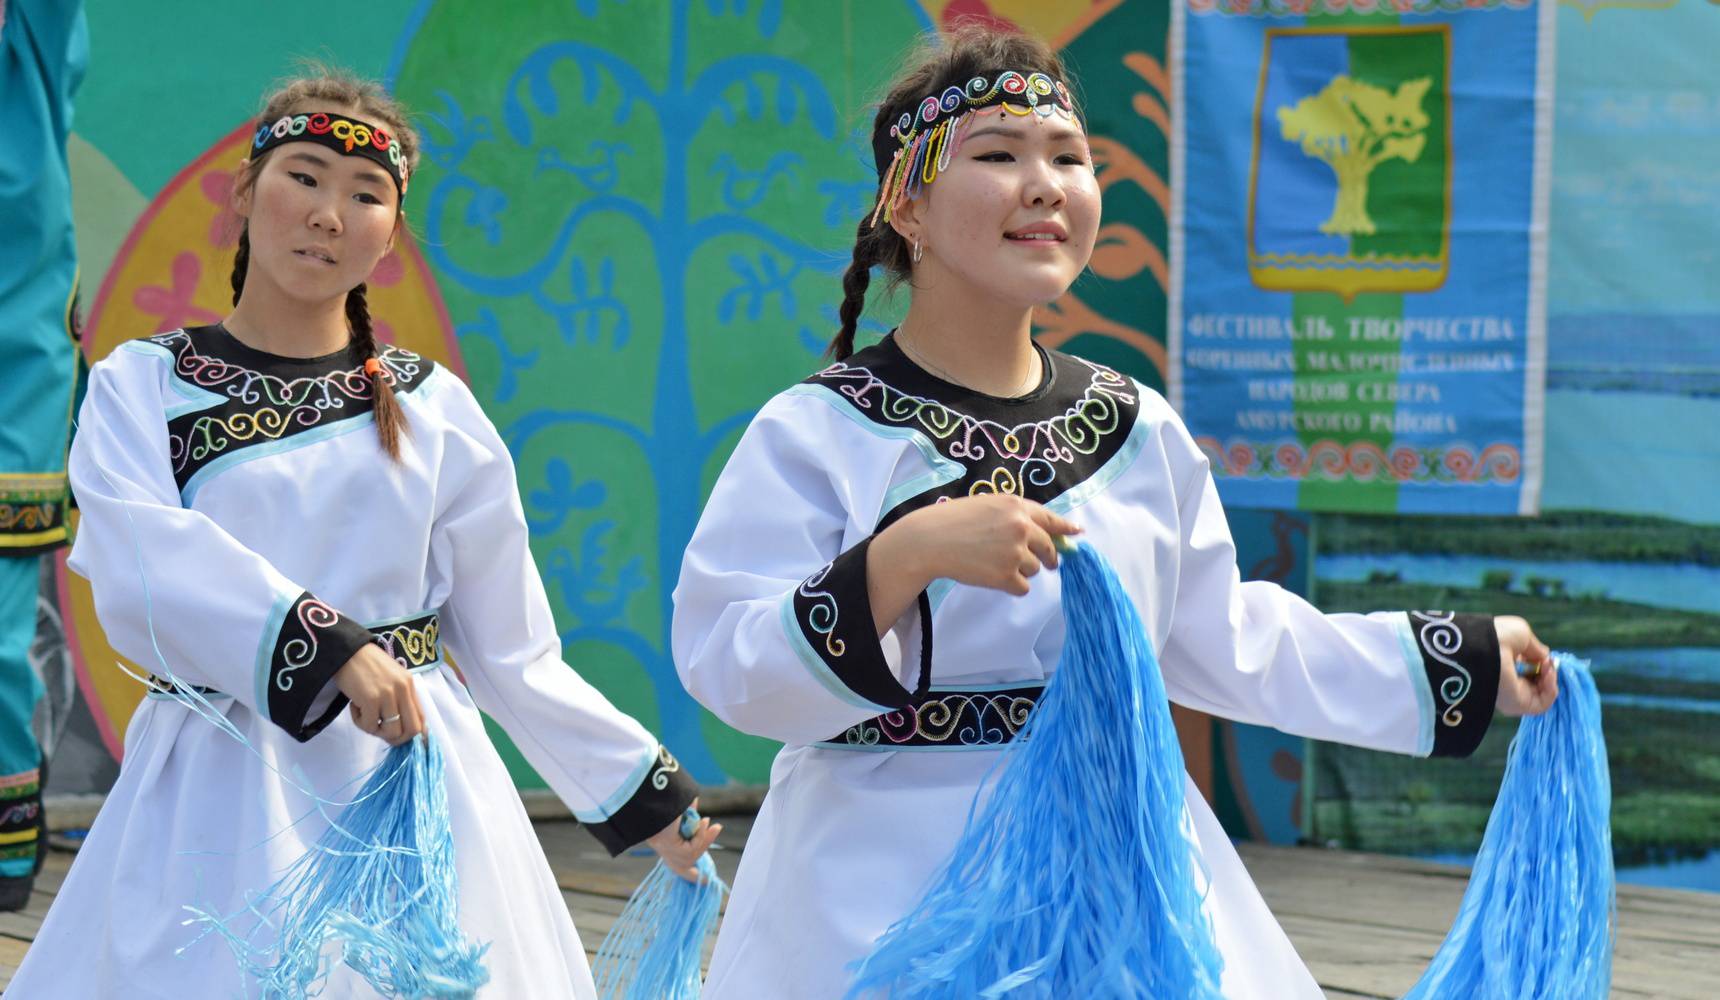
<point>1460,653</point>
<point>834,613</point>
<point>664,793</point>
<point>313,643</point>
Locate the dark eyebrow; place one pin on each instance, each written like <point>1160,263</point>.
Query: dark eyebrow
<point>1007,132</point>
<point>375,177</point>
<point>307,156</point>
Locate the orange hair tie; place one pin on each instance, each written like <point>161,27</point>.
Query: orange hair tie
<point>372,367</point>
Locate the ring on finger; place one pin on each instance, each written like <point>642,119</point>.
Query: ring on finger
<point>388,721</point>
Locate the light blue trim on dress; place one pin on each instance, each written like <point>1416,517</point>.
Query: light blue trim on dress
<point>146,346</point>
<point>943,470</point>
<point>992,688</point>
<point>938,591</point>
<point>1417,679</point>
<point>266,651</point>
<point>431,383</point>
<point>629,788</point>
<point>208,693</point>
<point>190,406</point>
<point>239,456</point>
<point>196,397</point>
<point>409,617</point>
<point>815,664</point>
<point>1106,474</point>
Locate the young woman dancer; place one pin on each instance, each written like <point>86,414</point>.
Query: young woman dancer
<point>914,489</point>
<point>303,521</point>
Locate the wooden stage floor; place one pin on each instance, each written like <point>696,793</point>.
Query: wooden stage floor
<point>1365,923</point>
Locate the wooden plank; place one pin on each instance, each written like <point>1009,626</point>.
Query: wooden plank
<point>1432,906</point>
<point>1368,925</point>
<point>1365,924</point>
<point>21,925</point>
<point>11,956</point>
<point>1387,961</point>
<point>53,873</point>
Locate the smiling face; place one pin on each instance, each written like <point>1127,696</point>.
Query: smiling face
<point>318,222</point>
<point>1014,216</point>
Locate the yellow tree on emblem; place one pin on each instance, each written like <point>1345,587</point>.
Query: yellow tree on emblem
<point>1353,127</point>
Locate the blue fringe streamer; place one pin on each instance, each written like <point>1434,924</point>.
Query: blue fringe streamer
<point>655,948</point>
<point>1538,917</point>
<point>1077,875</point>
<point>378,889</point>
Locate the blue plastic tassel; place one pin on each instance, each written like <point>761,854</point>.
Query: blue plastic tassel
<point>1537,919</point>
<point>1076,877</point>
<point>655,948</point>
<point>378,891</point>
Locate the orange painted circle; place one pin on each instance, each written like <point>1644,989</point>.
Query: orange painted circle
<point>173,270</point>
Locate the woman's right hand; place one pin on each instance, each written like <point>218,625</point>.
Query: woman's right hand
<point>384,701</point>
<point>993,540</point>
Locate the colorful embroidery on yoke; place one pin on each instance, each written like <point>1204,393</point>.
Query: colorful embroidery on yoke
<point>263,406</point>
<point>1018,459</point>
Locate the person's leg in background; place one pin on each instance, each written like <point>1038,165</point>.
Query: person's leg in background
<point>21,844</point>
<point>44,46</point>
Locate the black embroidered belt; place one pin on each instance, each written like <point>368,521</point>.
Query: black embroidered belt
<point>415,642</point>
<point>946,719</point>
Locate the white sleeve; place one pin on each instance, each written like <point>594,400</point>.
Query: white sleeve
<point>1408,682</point>
<point>615,776</point>
<point>773,628</point>
<point>169,578</point>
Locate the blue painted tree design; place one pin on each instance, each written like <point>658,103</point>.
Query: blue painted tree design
<point>638,214</point>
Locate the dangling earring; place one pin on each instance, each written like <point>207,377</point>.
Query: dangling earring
<point>919,251</point>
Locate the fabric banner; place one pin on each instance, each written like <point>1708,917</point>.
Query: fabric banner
<point>1358,247</point>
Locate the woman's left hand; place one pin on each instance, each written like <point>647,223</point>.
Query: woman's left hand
<point>1524,694</point>
<point>682,854</point>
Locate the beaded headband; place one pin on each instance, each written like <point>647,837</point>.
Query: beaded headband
<point>919,144</point>
<point>347,136</point>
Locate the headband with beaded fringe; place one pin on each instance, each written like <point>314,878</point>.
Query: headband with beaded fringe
<point>920,143</point>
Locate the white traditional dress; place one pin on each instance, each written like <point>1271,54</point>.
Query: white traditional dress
<point>239,513</point>
<point>773,632</point>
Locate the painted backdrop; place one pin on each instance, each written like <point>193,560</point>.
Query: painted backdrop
<point>631,222</point>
